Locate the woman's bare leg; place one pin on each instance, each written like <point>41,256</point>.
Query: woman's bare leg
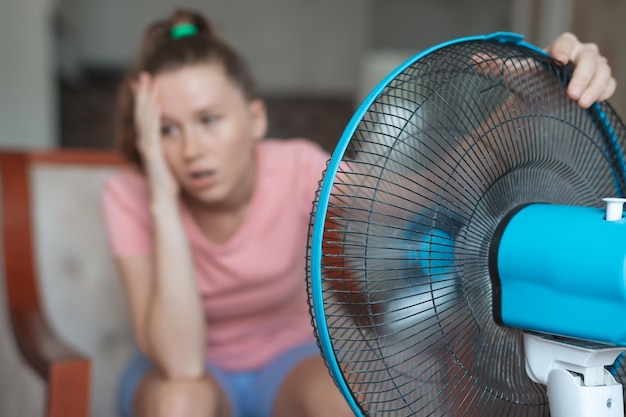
<point>309,391</point>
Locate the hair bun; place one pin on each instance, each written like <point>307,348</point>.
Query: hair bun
<point>187,23</point>
<point>182,30</point>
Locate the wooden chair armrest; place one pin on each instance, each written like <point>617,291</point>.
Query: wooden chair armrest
<point>66,371</point>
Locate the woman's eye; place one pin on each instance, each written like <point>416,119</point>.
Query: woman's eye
<point>168,130</point>
<point>208,119</point>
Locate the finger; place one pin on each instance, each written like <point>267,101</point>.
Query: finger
<point>144,77</point>
<point>564,48</point>
<point>139,91</point>
<point>609,90</point>
<point>145,91</point>
<point>606,90</point>
<point>587,63</point>
<point>597,86</point>
<point>142,83</point>
<point>155,93</point>
<point>147,113</point>
<point>589,66</point>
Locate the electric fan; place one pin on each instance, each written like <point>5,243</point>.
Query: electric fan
<point>466,252</point>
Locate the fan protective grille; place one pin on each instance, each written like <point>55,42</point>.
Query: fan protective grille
<point>457,140</point>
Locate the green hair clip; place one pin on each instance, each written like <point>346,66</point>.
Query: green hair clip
<point>182,30</point>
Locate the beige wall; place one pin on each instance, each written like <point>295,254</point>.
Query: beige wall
<point>27,94</point>
<point>602,22</point>
<point>419,24</point>
<point>319,45</point>
<point>299,46</point>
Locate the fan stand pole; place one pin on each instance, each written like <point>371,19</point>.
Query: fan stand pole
<point>578,383</point>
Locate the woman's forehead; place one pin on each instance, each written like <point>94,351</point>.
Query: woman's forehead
<point>189,87</point>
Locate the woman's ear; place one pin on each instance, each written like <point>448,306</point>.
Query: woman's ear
<point>258,113</point>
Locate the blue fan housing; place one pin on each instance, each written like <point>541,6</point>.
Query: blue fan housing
<point>562,271</point>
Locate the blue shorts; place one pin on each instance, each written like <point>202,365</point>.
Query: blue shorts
<point>251,393</point>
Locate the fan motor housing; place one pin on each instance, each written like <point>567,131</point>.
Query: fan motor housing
<point>560,270</point>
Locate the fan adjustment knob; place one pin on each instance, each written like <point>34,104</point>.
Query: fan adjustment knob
<point>614,208</point>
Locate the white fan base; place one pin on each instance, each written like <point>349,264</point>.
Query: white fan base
<point>569,398</point>
<point>578,384</point>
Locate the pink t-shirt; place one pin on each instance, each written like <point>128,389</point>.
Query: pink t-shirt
<point>253,286</point>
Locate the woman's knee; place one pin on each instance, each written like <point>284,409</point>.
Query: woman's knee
<point>334,404</point>
<point>173,403</point>
<point>310,391</point>
<point>184,398</point>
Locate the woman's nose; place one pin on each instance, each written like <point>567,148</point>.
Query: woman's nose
<point>192,144</point>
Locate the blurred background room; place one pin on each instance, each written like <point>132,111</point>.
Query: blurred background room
<point>314,60</point>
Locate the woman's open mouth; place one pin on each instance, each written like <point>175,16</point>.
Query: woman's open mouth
<point>203,179</point>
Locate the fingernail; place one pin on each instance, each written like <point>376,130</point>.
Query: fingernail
<point>585,101</point>
<point>576,91</point>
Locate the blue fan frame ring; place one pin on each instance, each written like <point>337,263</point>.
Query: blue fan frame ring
<point>332,170</point>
